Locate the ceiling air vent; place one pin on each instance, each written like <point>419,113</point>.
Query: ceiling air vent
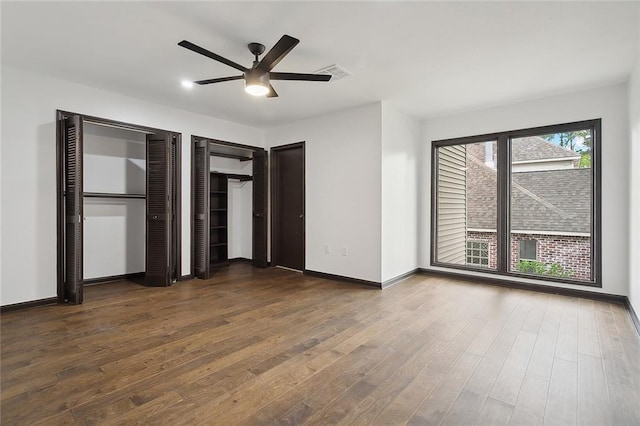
<point>335,71</point>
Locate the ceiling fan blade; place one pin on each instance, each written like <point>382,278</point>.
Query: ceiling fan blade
<point>277,52</point>
<point>219,80</point>
<point>298,76</point>
<point>188,45</point>
<point>272,92</point>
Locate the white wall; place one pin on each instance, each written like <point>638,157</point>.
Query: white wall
<point>28,168</point>
<point>240,206</point>
<point>400,155</point>
<point>608,103</point>
<point>343,196</point>
<point>634,165</point>
<point>240,219</point>
<point>114,229</point>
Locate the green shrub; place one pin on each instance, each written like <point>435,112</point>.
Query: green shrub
<point>531,267</point>
<point>540,268</point>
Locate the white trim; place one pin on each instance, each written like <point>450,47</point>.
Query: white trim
<point>546,160</point>
<point>555,233</point>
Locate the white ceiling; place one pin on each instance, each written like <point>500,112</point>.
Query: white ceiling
<point>426,58</point>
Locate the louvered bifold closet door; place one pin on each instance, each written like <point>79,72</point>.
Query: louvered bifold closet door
<point>201,220</point>
<point>73,210</point>
<point>158,238</point>
<point>174,209</point>
<point>260,208</point>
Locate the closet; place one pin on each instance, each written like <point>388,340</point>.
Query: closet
<point>118,204</point>
<point>229,195</point>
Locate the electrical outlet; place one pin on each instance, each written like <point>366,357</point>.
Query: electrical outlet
<point>345,250</point>
<point>326,249</point>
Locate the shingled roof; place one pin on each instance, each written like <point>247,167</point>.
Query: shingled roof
<point>534,148</point>
<point>542,201</point>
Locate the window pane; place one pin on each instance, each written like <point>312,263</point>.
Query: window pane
<point>466,204</point>
<point>528,249</point>
<point>551,214</point>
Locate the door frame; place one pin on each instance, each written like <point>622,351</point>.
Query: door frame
<point>60,184</point>
<point>195,139</point>
<point>273,164</point>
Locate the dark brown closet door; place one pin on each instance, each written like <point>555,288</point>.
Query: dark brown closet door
<point>288,206</point>
<point>73,208</point>
<point>200,194</point>
<point>175,204</point>
<point>158,240</point>
<point>260,208</point>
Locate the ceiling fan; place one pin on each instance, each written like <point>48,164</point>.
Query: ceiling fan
<point>258,77</point>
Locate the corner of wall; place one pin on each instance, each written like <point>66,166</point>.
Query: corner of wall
<point>634,187</point>
<point>400,138</point>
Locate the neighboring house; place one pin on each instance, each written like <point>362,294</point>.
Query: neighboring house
<point>550,210</point>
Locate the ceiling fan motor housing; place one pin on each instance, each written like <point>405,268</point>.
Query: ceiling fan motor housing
<point>256,76</point>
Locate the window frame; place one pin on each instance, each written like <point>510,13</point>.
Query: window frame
<point>503,228</point>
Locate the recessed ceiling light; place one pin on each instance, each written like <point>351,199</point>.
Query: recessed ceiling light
<point>187,84</point>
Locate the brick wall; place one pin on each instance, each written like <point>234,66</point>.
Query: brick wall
<point>572,253</point>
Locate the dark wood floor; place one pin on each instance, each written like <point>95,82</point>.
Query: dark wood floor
<point>269,346</point>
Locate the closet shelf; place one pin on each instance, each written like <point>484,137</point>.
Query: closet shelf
<point>240,177</point>
<point>112,195</point>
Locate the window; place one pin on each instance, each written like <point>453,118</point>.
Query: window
<point>533,195</point>
<point>478,253</point>
<point>527,249</point>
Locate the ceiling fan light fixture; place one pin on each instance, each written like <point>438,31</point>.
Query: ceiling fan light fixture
<point>256,89</point>
<point>256,82</point>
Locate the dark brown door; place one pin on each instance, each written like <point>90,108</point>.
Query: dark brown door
<point>260,208</point>
<point>158,241</point>
<point>200,194</point>
<point>73,210</point>
<point>175,208</point>
<point>288,206</point>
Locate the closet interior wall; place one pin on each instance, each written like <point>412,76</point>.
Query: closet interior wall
<point>239,205</point>
<point>114,228</point>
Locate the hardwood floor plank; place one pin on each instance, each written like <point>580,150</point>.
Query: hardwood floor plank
<point>391,377</point>
<point>483,378</point>
<point>465,409</point>
<point>567,343</point>
<point>436,406</point>
<point>588,337</point>
<point>531,402</point>
<point>541,362</point>
<point>495,413</point>
<point>142,412</point>
<point>509,381</point>
<point>562,399</point>
<point>593,401</point>
<point>402,408</point>
<point>316,404</point>
<point>269,346</point>
<point>485,338</point>
<point>536,314</point>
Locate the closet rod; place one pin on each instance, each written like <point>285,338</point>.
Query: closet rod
<point>109,195</point>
